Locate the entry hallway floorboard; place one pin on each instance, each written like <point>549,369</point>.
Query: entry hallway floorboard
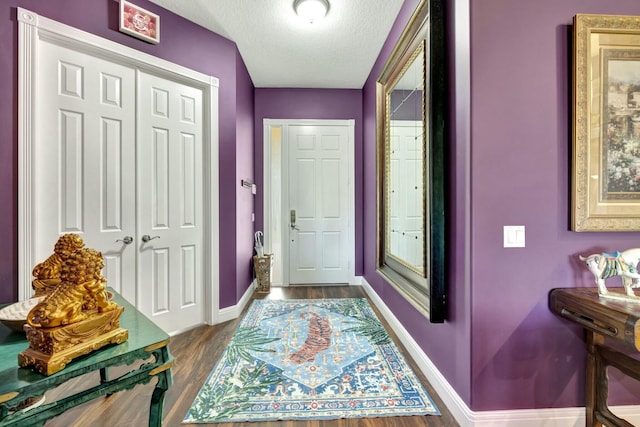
<point>196,352</point>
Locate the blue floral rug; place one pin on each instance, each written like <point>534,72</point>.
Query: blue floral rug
<point>310,359</point>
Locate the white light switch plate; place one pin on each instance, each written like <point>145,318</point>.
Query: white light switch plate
<point>514,236</point>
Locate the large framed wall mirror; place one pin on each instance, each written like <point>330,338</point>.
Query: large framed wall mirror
<point>411,109</point>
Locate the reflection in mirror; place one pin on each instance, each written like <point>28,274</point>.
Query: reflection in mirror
<point>405,154</point>
<point>411,106</point>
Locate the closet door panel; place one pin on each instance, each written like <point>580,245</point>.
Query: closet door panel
<point>85,158</point>
<point>170,186</point>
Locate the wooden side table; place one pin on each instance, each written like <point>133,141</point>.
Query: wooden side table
<point>601,318</point>
<point>146,341</point>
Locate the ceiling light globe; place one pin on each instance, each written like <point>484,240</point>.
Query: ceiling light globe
<point>311,10</point>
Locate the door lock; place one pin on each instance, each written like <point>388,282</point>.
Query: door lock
<point>292,223</point>
<point>127,240</point>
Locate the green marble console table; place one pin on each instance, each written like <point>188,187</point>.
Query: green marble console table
<point>145,340</point>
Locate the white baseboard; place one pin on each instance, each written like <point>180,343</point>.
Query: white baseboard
<point>234,311</point>
<point>553,417</point>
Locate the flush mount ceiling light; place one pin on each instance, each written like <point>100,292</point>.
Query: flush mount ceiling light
<point>311,10</point>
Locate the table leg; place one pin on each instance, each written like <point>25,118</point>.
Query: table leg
<point>157,400</point>
<point>104,378</point>
<point>163,372</point>
<point>591,380</point>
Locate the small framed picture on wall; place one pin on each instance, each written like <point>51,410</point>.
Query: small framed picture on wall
<point>139,22</point>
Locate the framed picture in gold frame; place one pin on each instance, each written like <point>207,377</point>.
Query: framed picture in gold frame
<point>606,123</point>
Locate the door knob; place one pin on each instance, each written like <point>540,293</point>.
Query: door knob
<point>147,238</point>
<point>127,240</point>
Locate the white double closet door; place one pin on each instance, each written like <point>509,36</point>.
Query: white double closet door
<point>118,160</point>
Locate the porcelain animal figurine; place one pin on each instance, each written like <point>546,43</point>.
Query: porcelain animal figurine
<point>606,265</point>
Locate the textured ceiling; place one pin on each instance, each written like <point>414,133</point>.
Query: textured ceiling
<point>281,50</point>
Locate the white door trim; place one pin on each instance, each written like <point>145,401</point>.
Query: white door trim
<point>32,30</point>
<point>268,124</point>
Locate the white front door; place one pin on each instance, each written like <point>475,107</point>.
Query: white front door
<point>92,180</point>
<point>318,195</point>
<point>170,202</point>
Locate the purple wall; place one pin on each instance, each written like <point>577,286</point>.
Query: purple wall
<point>520,104</point>
<point>447,344</point>
<point>8,156</point>
<point>337,104</point>
<point>501,347</point>
<point>410,108</point>
<point>182,42</point>
<point>244,170</point>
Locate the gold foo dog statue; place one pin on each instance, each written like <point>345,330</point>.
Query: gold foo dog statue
<point>75,316</point>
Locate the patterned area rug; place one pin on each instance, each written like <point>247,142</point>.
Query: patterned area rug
<point>310,359</point>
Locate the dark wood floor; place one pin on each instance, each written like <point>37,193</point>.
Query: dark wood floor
<point>196,352</point>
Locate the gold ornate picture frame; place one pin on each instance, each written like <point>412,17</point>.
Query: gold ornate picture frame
<point>606,123</point>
